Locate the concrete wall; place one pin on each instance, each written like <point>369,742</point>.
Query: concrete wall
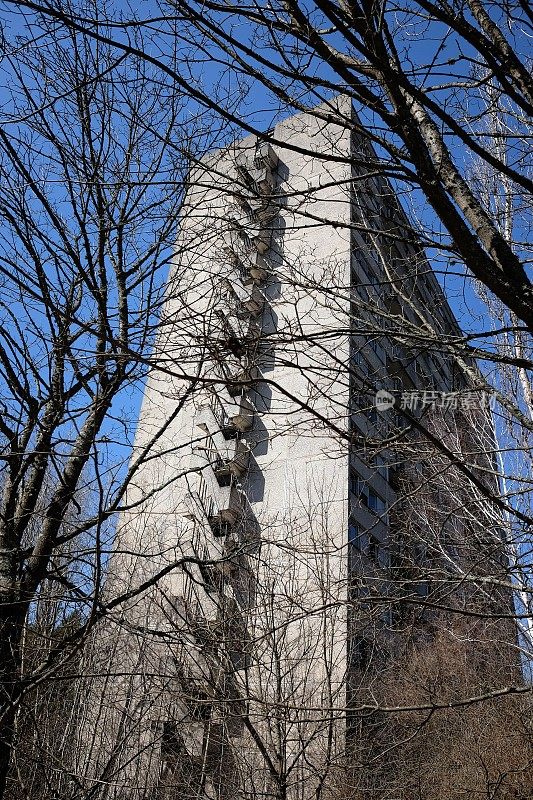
<point>285,571</point>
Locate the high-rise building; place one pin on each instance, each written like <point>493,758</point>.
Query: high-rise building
<point>303,383</point>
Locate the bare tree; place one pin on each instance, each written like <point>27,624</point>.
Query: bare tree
<point>93,160</point>
<point>511,209</point>
<point>440,749</point>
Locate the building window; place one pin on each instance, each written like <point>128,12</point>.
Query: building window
<point>359,361</point>
<point>387,617</point>
<point>373,548</point>
<point>356,538</point>
<point>375,502</point>
<point>359,652</point>
<point>384,557</point>
<point>377,349</point>
<point>357,546</point>
<point>353,534</point>
<point>171,741</point>
<point>381,467</point>
<point>372,415</point>
<point>200,708</point>
<point>355,483</point>
<point>394,478</point>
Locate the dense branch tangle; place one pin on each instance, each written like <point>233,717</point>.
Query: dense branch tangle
<point>366,46</point>
<point>86,227</point>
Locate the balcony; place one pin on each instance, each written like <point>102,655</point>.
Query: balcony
<point>246,292</point>
<point>220,506</point>
<point>200,507</point>
<point>227,509</point>
<point>241,375</point>
<point>239,415</point>
<point>256,171</point>
<point>257,168</point>
<point>257,207</point>
<point>264,208</point>
<point>240,240</point>
<point>238,333</point>
<point>265,156</point>
<point>228,457</point>
<point>262,156</point>
<point>258,267</point>
<point>260,236</point>
<point>234,634</point>
<point>234,417</point>
<point>252,268</point>
<point>245,220</point>
<point>263,180</point>
<point>229,418</point>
